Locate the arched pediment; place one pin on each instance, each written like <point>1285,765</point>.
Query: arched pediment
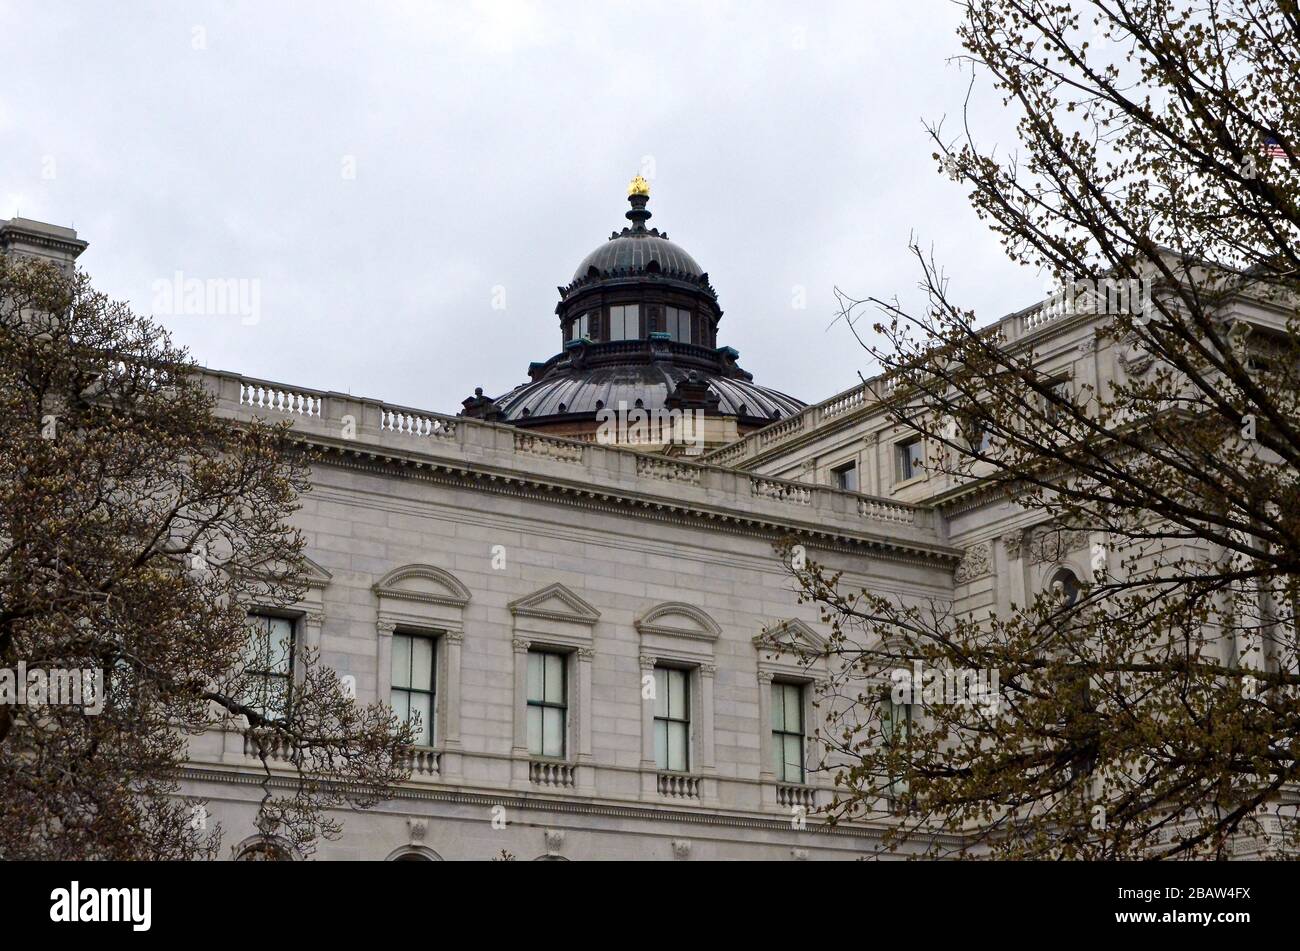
<point>791,635</point>
<point>555,602</point>
<point>676,619</point>
<point>423,583</point>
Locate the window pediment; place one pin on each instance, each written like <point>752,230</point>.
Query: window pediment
<point>317,577</point>
<point>425,584</point>
<point>792,635</point>
<point>555,602</point>
<point>676,619</point>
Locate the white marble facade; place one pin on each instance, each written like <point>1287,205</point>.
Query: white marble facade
<point>490,542</point>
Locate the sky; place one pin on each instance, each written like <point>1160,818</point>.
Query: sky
<point>392,192</point>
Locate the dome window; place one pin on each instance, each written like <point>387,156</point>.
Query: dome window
<point>580,327</point>
<point>624,322</point>
<point>677,323</point>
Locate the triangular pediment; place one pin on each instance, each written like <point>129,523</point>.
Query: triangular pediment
<point>317,577</point>
<point>791,635</point>
<point>677,619</point>
<point>424,583</point>
<point>555,602</point>
<point>313,576</point>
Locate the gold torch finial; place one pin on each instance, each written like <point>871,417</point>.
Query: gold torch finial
<point>638,186</point>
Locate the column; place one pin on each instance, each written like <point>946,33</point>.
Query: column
<point>449,767</point>
<point>519,745</point>
<point>707,767</point>
<point>585,778</point>
<point>1014,545</point>
<point>649,774</point>
<point>384,671</point>
<point>766,775</point>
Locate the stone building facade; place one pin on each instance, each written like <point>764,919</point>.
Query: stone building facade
<point>539,582</point>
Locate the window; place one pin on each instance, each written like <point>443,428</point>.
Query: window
<point>846,477</point>
<point>547,707</point>
<point>1061,390</point>
<point>672,719</point>
<point>580,327</point>
<point>911,458</point>
<point>412,692</point>
<point>896,721</point>
<point>677,323</point>
<point>623,322</point>
<point>787,731</point>
<point>268,664</point>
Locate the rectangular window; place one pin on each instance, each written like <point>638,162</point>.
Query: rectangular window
<point>896,721</point>
<point>269,665</point>
<point>672,719</point>
<point>911,458</point>
<point>623,322</point>
<point>580,327</point>
<point>547,704</point>
<point>412,693</point>
<point>677,323</point>
<point>1060,389</point>
<point>846,477</point>
<point>787,732</point>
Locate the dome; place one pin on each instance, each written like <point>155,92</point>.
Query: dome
<point>638,330</point>
<point>634,251</point>
<point>647,386</point>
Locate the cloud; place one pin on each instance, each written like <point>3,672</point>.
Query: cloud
<point>489,145</point>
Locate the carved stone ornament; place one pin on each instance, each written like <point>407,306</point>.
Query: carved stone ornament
<point>1133,356</point>
<point>1053,544</point>
<point>554,840</point>
<point>681,848</point>
<point>1013,543</point>
<point>418,829</point>
<point>975,563</point>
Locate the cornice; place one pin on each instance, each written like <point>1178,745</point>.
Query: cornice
<point>617,501</point>
<point>1036,336</point>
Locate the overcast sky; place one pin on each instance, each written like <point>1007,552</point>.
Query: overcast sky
<point>404,185</point>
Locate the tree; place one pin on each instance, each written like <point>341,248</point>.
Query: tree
<point>136,531</point>
<point>1150,708</point>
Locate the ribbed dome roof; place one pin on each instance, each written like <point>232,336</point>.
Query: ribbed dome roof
<point>664,358</point>
<point>633,251</point>
<point>588,391</point>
